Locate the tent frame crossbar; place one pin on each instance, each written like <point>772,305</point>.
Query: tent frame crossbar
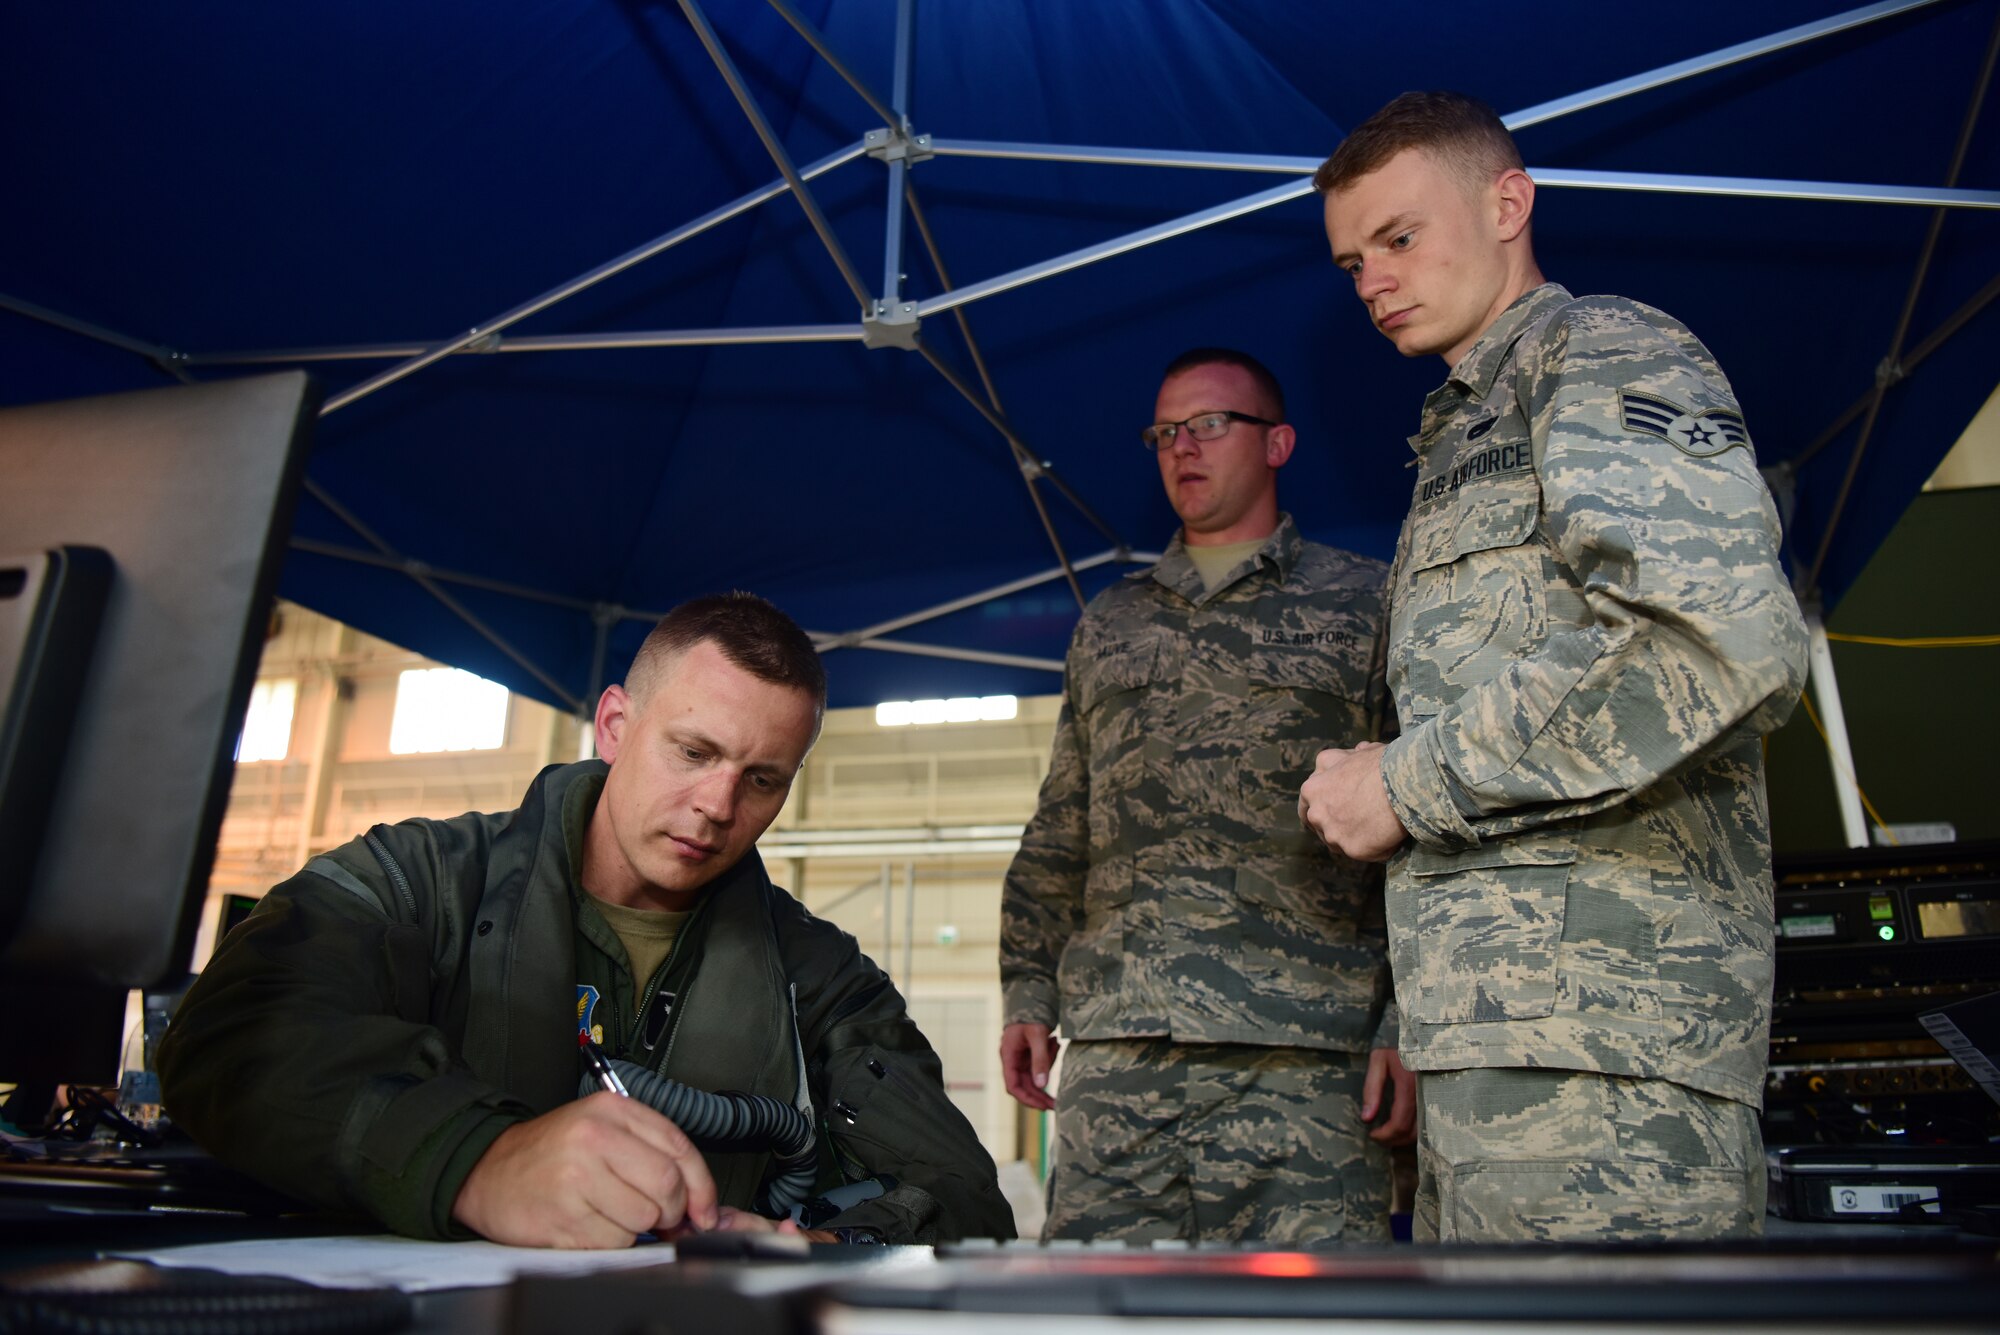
<point>1714,60</point>
<point>599,342</point>
<point>486,338</point>
<point>901,318</point>
<point>422,577</point>
<point>898,165</point>
<point>893,118</point>
<point>747,103</point>
<point>1891,363</point>
<point>534,305</point>
<point>854,638</point>
<point>606,615</point>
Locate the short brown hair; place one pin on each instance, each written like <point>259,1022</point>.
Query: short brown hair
<point>1260,374</point>
<point>750,632</point>
<point>1462,133</point>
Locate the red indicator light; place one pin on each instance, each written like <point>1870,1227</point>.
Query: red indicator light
<point>1280,1265</point>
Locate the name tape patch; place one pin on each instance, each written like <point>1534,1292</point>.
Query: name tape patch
<point>1514,457</point>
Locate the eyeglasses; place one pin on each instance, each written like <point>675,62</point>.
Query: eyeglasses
<point>1202,426</point>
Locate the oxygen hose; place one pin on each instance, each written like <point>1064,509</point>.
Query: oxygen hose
<point>728,1122</point>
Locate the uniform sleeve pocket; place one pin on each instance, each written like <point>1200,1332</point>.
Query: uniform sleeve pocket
<point>1488,923</point>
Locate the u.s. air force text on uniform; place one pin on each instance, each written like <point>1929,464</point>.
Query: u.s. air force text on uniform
<point>1168,909</point>
<point>1590,630</point>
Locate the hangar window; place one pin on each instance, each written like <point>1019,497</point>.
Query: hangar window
<point>267,724</point>
<point>960,709</point>
<point>447,709</point>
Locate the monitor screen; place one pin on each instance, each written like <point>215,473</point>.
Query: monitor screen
<point>185,496</point>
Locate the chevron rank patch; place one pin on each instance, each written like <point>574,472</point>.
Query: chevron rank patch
<point>1703,435</point>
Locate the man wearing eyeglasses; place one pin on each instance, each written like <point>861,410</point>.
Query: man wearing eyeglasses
<point>1223,979</point>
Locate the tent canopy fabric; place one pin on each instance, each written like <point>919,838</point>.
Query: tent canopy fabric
<point>220,190</point>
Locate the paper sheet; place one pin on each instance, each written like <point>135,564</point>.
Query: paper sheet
<point>403,1263</point>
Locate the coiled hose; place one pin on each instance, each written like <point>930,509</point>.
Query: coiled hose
<point>728,1122</point>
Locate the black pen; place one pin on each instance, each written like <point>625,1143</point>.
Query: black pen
<point>594,1059</point>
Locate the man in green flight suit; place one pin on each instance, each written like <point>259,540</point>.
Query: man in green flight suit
<point>1589,632</point>
<point>1221,978</point>
<point>395,1029</point>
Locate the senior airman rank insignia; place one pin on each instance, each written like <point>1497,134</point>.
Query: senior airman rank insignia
<point>1703,435</point>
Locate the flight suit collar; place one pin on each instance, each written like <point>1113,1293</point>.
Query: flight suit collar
<point>1176,572</point>
<point>1473,376</point>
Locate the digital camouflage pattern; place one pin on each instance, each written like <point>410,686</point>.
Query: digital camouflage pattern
<point>1510,1155</point>
<point>1215,1143</point>
<point>1589,632</point>
<point>1165,887</point>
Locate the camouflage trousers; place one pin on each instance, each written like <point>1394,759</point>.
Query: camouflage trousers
<point>1511,1155</point>
<point>1214,1142</point>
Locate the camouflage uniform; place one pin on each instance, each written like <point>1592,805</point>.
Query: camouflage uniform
<point>1165,890</point>
<point>1589,632</point>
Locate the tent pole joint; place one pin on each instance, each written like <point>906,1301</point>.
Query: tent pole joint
<point>886,145</point>
<point>1034,469</point>
<point>891,324</point>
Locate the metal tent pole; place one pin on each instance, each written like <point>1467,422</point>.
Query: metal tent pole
<point>390,560</point>
<point>1826,691</point>
<point>164,357</point>
<point>602,618</point>
<point>1124,157</point>
<point>492,343</point>
<point>888,920</point>
<point>713,218</point>
<point>1890,370</point>
<point>962,655</point>
<point>751,112</point>
<point>1909,363</point>
<point>1145,236</point>
<point>417,572</point>
<point>1022,456</point>
<point>970,600</point>
<point>1049,472</point>
<point>1715,60</point>
<point>817,41</point>
<point>909,928</point>
<point>899,167</point>
<point>958,312</point>
<point>1751,187</point>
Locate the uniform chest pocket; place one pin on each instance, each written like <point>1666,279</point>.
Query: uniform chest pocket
<point>1474,596</point>
<point>1122,721</point>
<point>1113,669</point>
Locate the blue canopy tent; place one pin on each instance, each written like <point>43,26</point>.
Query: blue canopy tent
<point>860,303</point>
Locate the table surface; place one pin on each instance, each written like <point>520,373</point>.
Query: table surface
<point>900,1291</point>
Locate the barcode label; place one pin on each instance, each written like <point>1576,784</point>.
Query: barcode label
<point>1883,1200</point>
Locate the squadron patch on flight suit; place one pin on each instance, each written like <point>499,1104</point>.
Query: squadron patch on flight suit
<point>586,1008</point>
<point>1702,435</point>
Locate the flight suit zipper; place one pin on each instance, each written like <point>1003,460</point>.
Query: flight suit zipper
<point>656,1018</point>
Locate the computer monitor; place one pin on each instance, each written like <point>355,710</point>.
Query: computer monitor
<point>109,814</point>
